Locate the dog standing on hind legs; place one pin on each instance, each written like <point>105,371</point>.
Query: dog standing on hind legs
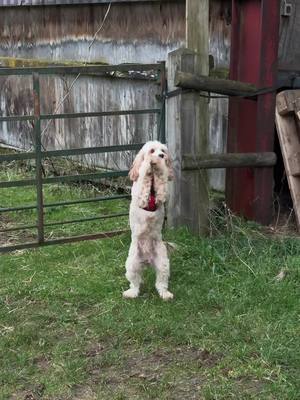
<point>150,173</point>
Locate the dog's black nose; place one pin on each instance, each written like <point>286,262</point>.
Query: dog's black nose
<point>161,155</point>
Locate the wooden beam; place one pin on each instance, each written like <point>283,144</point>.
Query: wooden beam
<point>285,102</point>
<point>228,87</point>
<point>294,163</point>
<point>197,32</point>
<point>26,3</point>
<point>16,62</point>
<point>288,131</point>
<point>187,124</point>
<point>229,160</point>
<point>297,108</point>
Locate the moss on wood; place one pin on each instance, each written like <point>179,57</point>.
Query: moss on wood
<point>13,62</point>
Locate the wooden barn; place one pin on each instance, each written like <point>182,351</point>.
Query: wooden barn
<point>47,32</point>
<point>251,42</point>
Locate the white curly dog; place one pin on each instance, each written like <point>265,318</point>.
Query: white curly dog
<point>150,173</point>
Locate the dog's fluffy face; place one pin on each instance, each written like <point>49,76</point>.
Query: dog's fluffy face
<point>159,158</point>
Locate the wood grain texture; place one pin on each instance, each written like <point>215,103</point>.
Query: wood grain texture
<point>186,131</point>
<point>289,43</point>
<point>289,139</point>
<point>228,87</point>
<point>197,32</point>
<point>228,160</point>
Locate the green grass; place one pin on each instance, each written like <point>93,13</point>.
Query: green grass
<point>232,331</point>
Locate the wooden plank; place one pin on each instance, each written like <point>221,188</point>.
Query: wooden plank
<point>289,138</point>
<point>188,202</point>
<point>197,39</point>
<point>294,163</point>
<point>187,124</point>
<point>285,102</point>
<point>229,160</point>
<point>289,44</point>
<point>15,62</point>
<point>297,108</point>
<point>228,87</point>
<point>197,32</point>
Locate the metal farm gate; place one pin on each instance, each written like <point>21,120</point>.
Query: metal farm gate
<point>153,71</point>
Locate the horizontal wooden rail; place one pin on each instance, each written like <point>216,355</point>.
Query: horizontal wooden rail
<point>229,160</point>
<point>226,87</point>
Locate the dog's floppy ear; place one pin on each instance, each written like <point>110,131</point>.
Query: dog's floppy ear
<point>170,168</point>
<point>134,170</point>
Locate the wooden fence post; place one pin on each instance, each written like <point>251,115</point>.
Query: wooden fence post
<point>187,123</point>
<point>187,129</point>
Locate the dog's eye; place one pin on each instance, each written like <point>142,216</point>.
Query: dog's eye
<point>163,150</point>
<point>152,151</point>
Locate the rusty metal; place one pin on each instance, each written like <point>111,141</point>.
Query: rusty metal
<point>191,162</point>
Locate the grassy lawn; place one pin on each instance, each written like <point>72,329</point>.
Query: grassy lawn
<point>232,331</point>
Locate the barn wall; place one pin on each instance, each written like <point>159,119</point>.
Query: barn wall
<point>142,32</point>
<point>89,94</point>
<point>219,48</point>
<point>289,43</point>
<point>132,32</point>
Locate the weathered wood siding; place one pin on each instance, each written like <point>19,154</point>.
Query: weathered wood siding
<point>288,60</point>
<point>89,94</point>
<point>219,46</point>
<point>142,32</point>
<point>289,43</point>
<point>132,32</point>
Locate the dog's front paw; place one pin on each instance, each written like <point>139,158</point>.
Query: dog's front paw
<point>166,295</point>
<point>130,294</point>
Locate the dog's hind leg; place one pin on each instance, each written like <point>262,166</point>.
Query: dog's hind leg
<point>162,267</point>
<point>133,273</point>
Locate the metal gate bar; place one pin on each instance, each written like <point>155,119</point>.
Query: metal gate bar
<point>38,155</point>
<point>80,115</point>
<point>69,152</point>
